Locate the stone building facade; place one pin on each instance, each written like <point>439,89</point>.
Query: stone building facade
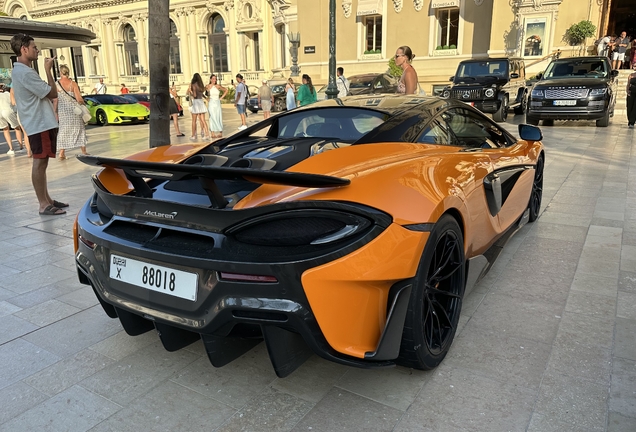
<point>224,37</point>
<point>251,36</point>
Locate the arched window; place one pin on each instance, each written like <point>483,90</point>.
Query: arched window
<point>130,51</point>
<point>175,59</point>
<point>218,44</point>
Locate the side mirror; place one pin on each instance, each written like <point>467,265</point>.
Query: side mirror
<point>514,75</point>
<point>451,79</point>
<point>614,73</point>
<point>530,133</point>
<point>539,75</point>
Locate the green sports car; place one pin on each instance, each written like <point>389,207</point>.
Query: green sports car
<point>113,109</point>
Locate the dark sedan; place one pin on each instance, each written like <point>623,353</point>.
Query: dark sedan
<point>144,99</point>
<point>375,83</point>
<point>278,91</point>
<point>575,88</point>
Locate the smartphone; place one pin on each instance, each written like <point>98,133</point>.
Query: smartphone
<point>232,82</point>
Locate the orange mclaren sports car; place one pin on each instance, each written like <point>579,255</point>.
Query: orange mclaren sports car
<point>351,228</point>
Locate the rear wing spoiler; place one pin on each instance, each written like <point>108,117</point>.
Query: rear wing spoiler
<point>136,171</point>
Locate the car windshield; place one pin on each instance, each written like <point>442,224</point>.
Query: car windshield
<point>360,82</point>
<point>111,100</point>
<point>588,68</point>
<point>343,124</point>
<point>489,68</point>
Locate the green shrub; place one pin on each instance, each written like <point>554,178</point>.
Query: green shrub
<point>378,51</point>
<point>439,47</point>
<point>445,47</point>
<point>453,47</point>
<point>394,69</point>
<point>229,98</point>
<point>577,33</point>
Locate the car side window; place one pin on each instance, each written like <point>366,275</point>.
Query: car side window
<point>473,131</point>
<point>437,133</point>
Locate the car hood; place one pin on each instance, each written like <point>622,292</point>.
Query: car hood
<point>571,82</point>
<point>479,82</point>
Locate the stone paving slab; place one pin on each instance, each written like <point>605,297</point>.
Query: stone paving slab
<point>546,342</point>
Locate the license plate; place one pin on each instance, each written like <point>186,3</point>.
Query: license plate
<point>564,102</point>
<point>154,277</point>
<point>141,118</point>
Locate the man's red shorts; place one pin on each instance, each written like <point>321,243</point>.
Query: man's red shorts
<point>44,144</point>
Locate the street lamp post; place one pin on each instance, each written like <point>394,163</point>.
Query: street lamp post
<point>159,44</point>
<point>332,88</point>
<point>294,39</point>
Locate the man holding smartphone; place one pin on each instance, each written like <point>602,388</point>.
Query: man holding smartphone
<point>34,101</point>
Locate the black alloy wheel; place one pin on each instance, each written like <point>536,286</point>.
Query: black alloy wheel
<point>101,118</point>
<point>537,191</point>
<point>279,105</point>
<point>502,113</point>
<point>436,298</point>
<point>521,109</point>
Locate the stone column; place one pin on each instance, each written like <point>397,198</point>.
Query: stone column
<point>184,45</point>
<point>193,43</point>
<point>142,41</point>
<point>109,55</point>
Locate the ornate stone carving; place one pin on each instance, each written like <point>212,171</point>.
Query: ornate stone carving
<point>346,7</point>
<point>228,5</point>
<point>278,10</point>
<point>418,4</point>
<point>212,7</point>
<point>397,5</point>
<point>248,11</point>
<point>140,17</point>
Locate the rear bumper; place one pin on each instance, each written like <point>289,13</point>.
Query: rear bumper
<point>330,307</point>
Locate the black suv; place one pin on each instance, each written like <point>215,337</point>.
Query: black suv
<point>574,88</point>
<point>492,85</point>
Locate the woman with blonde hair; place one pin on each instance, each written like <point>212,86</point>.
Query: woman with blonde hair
<point>290,97</point>
<point>198,108</point>
<point>72,133</point>
<point>408,81</point>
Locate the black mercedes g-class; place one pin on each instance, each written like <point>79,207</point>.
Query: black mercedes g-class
<point>491,85</point>
<point>574,88</point>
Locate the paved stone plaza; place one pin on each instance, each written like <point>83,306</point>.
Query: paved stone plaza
<point>547,341</point>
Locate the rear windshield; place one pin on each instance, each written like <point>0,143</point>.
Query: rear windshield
<point>360,82</point>
<point>344,124</point>
<point>590,68</point>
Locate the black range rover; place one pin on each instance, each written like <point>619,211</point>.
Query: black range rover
<point>492,86</point>
<point>575,88</point>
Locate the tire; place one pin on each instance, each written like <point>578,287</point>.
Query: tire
<point>502,113</point>
<point>537,191</point>
<point>534,121</point>
<point>101,118</point>
<point>279,105</point>
<point>521,109</point>
<point>253,111</point>
<point>605,121</point>
<point>438,289</point>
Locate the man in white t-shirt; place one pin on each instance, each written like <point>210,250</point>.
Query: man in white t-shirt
<point>34,98</point>
<point>601,48</point>
<point>239,100</point>
<point>100,87</point>
<point>342,83</point>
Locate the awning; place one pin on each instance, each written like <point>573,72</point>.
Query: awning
<point>46,35</point>
<point>436,4</point>
<point>370,7</point>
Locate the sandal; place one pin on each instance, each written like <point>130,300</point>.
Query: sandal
<point>62,158</point>
<point>181,135</point>
<point>51,210</point>
<point>59,204</point>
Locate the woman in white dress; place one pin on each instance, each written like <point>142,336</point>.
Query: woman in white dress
<point>198,109</point>
<point>214,106</point>
<point>72,133</point>
<point>290,97</point>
